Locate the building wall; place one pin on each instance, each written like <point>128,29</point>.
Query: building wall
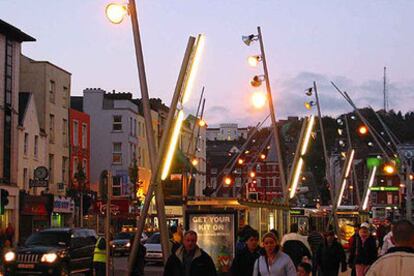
<point>36,77</point>
<point>229,132</point>
<point>29,161</point>
<point>80,147</point>
<point>102,111</point>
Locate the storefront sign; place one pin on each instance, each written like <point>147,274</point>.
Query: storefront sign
<point>297,212</point>
<point>118,207</point>
<point>216,235</point>
<point>34,205</point>
<point>386,188</point>
<point>63,205</point>
<point>37,183</point>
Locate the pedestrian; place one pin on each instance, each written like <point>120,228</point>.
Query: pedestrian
<point>388,242</point>
<point>305,269</point>
<point>399,260</point>
<point>10,233</point>
<point>274,231</point>
<point>243,263</point>
<point>315,240</point>
<point>383,229</point>
<point>296,246</point>
<point>273,261</point>
<point>330,256</point>
<point>176,238</point>
<point>99,257</point>
<point>138,269</point>
<point>189,259</point>
<point>363,251</point>
<point>241,238</point>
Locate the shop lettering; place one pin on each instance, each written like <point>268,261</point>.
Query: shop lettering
<point>61,204</point>
<point>211,219</point>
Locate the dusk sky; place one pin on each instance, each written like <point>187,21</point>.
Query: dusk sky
<point>348,42</point>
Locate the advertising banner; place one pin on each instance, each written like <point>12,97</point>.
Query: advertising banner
<point>216,235</point>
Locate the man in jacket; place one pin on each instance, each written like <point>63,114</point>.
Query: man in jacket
<point>189,259</point>
<point>243,264</point>
<point>99,257</point>
<point>363,251</point>
<point>399,260</point>
<point>330,256</point>
<point>296,246</point>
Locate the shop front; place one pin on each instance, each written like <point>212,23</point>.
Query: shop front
<point>121,215</point>
<point>11,212</point>
<point>35,214</point>
<point>63,212</point>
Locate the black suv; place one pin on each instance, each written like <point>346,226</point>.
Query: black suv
<point>56,251</point>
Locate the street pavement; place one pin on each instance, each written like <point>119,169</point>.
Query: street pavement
<point>121,266</point>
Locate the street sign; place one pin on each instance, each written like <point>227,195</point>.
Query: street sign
<point>385,189</point>
<point>36,183</point>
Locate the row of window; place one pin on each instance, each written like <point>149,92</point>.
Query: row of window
<point>26,145</point>
<point>134,128</point>
<point>52,94</point>
<point>117,154</point>
<point>65,132</point>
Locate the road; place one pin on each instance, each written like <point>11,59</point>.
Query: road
<point>121,266</point>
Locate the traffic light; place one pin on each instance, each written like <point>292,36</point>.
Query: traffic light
<point>4,200</point>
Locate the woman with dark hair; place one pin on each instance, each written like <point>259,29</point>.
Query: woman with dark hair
<point>273,261</point>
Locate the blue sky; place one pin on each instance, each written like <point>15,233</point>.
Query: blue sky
<point>348,42</point>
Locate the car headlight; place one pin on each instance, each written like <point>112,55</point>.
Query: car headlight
<point>128,244</point>
<point>49,258</point>
<point>10,256</point>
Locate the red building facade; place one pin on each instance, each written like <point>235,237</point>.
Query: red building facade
<point>79,129</point>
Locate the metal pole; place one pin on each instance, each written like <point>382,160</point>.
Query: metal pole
<point>155,173</point>
<point>354,174</point>
<point>81,209</point>
<point>409,196</point>
<point>108,225</point>
<point>327,166</point>
<point>282,176</point>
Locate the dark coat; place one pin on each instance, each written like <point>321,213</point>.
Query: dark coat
<point>201,265</point>
<point>365,254</point>
<point>243,264</point>
<point>138,269</point>
<point>296,250</point>
<point>329,257</point>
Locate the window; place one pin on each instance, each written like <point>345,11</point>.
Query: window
<point>131,128</point>
<point>52,91</point>
<point>84,167</point>
<point>117,123</point>
<point>51,169</point>
<point>26,143</point>
<point>36,146</point>
<point>75,166</point>
<point>65,96</point>
<point>51,128</point>
<point>65,132</point>
<point>84,135</point>
<point>132,151</point>
<point>117,153</point>
<point>116,186</point>
<point>25,177</point>
<point>64,169</point>
<point>135,127</point>
<point>75,133</point>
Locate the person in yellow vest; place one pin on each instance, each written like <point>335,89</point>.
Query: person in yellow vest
<point>99,257</point>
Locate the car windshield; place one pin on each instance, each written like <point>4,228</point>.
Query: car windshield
<point>155,238</point>
<point>123,236</point>
<point>48,239</point>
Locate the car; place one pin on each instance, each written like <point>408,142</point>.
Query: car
<point>153,247</point>
<point>121,244</point>
<point>55,251</point>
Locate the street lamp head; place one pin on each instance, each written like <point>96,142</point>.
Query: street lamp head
<point>248,39</point>
<point>201,123</point>
<point>116,12</point>
<point>263,156</point>
<point>363,130</point>
<point>259,99</point>
<point>240,161</point>
<point>227,181</point>
<point>308,105</point>
<point>252,174</point>
<point>257,80</point>
<point>254,60</point>
<point>308,91</point>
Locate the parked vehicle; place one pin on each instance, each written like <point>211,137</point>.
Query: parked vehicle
<point>121,244</point>
<point>55,251</point>
<point>153,246</point>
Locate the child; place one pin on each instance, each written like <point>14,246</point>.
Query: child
<point>304,269</point>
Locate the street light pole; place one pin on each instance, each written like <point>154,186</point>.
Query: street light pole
<point>327,165</point>
<point>148,127</point>
<point>108,224</point>
<point>273,116</point>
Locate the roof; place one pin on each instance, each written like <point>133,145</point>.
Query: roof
<point>13,32</point>
<point>24,99</point>
<point>76,102</point>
